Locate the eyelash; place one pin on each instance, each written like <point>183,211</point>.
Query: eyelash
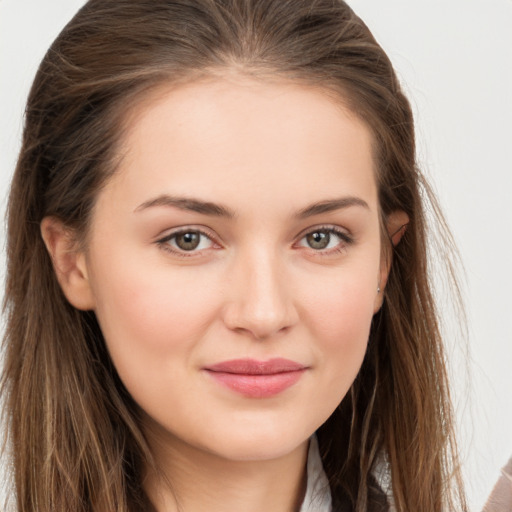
<point>344,237</point>
<point>344,240</point>
<point>164,244</point>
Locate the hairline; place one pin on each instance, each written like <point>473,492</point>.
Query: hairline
<point>149,92</point>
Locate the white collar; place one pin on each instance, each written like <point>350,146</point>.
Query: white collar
<point>318,493</point>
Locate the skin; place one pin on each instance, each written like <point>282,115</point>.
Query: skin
<point>254,287</point>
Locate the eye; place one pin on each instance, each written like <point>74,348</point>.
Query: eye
<point>324,239</point>
<point>318,239</point>
<point>190,240</point>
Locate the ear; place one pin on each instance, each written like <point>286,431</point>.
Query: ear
<point>69,263</point>
<point>396,226</point>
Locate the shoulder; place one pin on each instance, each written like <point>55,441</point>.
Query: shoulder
<point>500,499</point>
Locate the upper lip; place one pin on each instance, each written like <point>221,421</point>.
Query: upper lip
<point>254,367</point>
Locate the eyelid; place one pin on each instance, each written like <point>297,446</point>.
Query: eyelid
<point>343,232</point>
<point>162,241</point>
<point>345,236</point>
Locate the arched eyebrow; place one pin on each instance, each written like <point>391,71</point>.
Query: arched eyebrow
<point>189,204</point>
<point>218,210</point>
<point>331,205</point>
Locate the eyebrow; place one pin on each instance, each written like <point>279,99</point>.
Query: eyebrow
<point>331,205</point>
<point>189,204</point>
<point>218,210</point>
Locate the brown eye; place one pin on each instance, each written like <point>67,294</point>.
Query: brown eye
<point>326,240</point>
<point>318,239</point>
<point>188,241</point>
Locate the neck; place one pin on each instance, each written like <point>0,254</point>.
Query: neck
<point>191,480</point>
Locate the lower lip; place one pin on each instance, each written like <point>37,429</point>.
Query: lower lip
<point>258,386</point>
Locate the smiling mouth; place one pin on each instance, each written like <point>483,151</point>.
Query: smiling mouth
<point>257,379</point>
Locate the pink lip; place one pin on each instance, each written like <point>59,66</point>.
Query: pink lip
<point>257,379</point>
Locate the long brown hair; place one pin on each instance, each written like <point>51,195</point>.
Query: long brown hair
<point>74,432</point>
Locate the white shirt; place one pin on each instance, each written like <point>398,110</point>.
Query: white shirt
<point>318,494</point>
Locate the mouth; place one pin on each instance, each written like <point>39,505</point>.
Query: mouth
<point>257,379</point>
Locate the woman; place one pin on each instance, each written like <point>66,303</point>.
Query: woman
<point>217,285</point>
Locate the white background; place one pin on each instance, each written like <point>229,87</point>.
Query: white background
<point>455,59</point>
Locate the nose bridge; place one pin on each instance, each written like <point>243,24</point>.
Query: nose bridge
<point>260,300</point>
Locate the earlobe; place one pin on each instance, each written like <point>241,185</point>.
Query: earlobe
<point>69,263</point>
<point>379,298</point>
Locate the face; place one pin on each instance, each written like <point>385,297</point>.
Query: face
<point>234,260</point>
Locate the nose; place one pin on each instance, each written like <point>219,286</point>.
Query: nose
<point>260,300</point>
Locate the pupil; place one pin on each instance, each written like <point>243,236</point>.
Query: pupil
<point>318,240</point>
<point>188,241</point>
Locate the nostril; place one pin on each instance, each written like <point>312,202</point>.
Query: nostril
<point>259,302</point>
<point>259,322</point>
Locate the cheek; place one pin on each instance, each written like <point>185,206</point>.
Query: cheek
<point>152,320</point>
<point>341,305</point>
<point>339,319</point>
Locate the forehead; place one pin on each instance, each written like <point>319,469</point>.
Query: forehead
<point>223,136</point>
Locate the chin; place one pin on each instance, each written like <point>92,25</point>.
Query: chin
<point>258,450</point>
<point>257,444</point>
